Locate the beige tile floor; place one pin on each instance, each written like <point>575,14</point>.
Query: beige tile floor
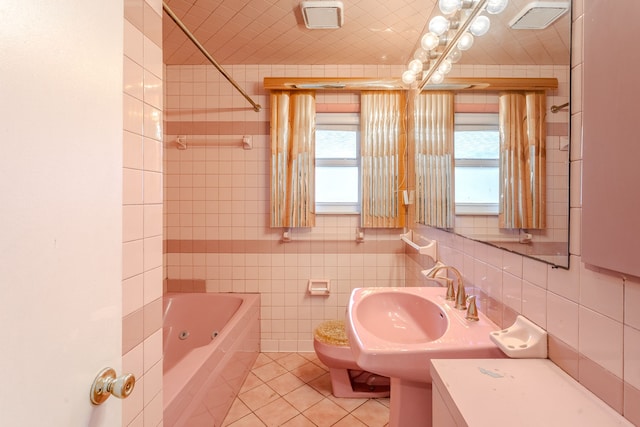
<point>294,390</point>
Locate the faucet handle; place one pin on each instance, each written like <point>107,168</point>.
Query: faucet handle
<point>461,298</point>
<point>472,311</point>
<point>451,293</point>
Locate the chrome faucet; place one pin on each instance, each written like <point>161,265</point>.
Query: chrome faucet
<point>461,297</point>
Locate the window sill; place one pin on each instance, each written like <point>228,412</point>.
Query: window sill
<point>486,209</point>
<point>334,212</point>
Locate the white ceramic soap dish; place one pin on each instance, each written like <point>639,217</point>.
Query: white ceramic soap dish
<point>522,340</point>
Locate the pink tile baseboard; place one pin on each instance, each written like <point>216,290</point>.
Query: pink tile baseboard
<point>132,330</point>
<point>152,318</point>
<point>278,247</point>
<point>631,407</point>
<point>134,13</point>
<point>186,285</point>
<point>557,129</point>
<point>152,25</point>
<point>602,383</point>
<point>563,355</point>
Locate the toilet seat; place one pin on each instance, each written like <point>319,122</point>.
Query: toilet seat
<point>332,332</point>
<point>331,344</point>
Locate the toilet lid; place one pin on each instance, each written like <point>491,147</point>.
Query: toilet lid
<point>332,332</point>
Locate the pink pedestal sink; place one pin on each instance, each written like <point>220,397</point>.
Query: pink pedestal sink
<point>396,331</point>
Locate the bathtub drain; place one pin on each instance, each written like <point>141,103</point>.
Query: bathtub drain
<point>214,334</point>
<point>183,335</point>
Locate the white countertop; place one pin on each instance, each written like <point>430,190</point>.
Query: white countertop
<point>517,392</point>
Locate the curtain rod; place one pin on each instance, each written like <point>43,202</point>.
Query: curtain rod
<point>186,31</point>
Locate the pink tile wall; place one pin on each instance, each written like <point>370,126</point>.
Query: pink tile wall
<point>219,195</point>
<point>142,211</point>
<point>590,314</point>
<point>217,201</point>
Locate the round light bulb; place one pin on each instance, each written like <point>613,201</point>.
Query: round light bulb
<point>421,54</point>
<point>429,41</point>
<point>455,55</point>
<point>408,77</point>
<point>449,6</point>
<point>445,67</point>
<point>415,66</point>
<point>439,25</point>
<point>465,42</point>
<point>496,6</point>
<point>437,78</point>
<point>480,26</point>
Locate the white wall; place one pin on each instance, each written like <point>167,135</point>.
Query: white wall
<point>61,190</point>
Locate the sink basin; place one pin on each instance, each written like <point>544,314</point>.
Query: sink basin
<point>396,331</point>
<point>390,318</point>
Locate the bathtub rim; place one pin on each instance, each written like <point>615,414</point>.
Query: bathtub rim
<point>183,372</point>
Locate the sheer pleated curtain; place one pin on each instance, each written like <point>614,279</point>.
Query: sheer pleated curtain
<point>292,158</point>
<point>523,160</point>
<point>383,151</point>
<point>433,125</point>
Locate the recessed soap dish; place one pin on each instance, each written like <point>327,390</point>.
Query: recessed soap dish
<point>523,339</point>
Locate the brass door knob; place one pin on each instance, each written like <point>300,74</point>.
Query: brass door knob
<point>107,384</point>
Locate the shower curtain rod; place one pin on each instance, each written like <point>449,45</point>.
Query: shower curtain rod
<point>186,31</point>
<point>556,108</point>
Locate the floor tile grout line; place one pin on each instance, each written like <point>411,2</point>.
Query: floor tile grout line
<point>292,362</point>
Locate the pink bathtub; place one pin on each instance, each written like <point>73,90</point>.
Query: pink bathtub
<point>210,344</point>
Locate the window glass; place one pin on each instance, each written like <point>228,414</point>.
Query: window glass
<point>337,163</point>
<point>337,185</point>
<point>477,144</point>
<point>336,144</point>
<point>477,173</point>
<point>477,184</point>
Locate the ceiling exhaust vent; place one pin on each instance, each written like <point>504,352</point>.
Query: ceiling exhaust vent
<point>322,15</point>
<point>538,15</point>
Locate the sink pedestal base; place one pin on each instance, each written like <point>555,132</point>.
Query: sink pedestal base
<point>410,404</point>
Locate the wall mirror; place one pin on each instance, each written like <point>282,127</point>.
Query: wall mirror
<point>392,40</point>
<point>481,168</point>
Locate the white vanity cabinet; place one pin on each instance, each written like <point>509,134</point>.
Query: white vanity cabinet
<point>513,392</point>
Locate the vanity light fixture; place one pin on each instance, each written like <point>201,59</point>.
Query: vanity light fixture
<point>448,36</point>
<point>322,14</point>
<point>480,26</point>
<point>451,6</point>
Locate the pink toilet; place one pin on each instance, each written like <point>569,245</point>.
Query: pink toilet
<point>347,379</point>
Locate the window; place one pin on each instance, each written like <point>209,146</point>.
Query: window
<point>477,168</point>
<point>337,163</point>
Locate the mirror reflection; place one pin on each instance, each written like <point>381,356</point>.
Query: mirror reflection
<point>509,149</point>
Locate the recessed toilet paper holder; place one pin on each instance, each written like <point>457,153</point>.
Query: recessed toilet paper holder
<point>319,286</point>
